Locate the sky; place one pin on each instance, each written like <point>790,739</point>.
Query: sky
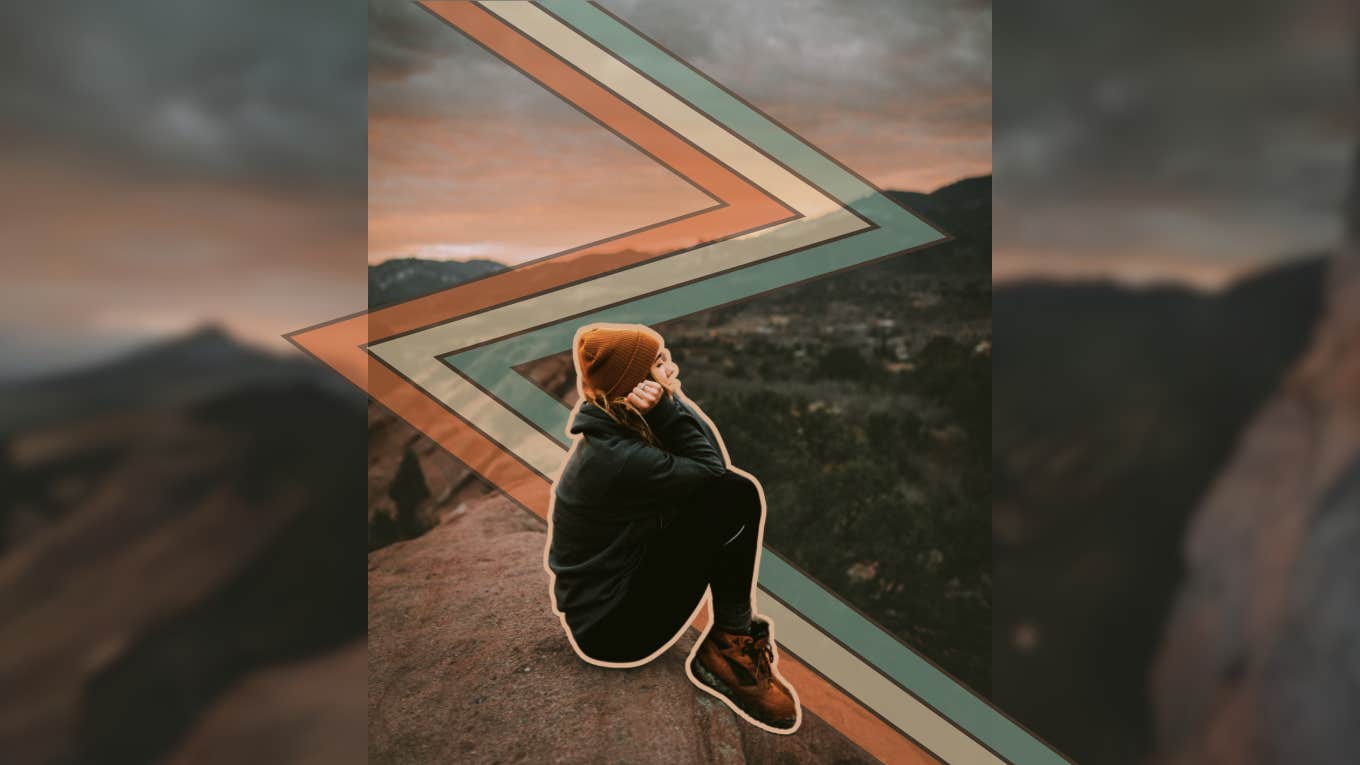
<point>1171,141</point>
<point>167,163</point>
<point>171,162</point>
<point>469,158</point>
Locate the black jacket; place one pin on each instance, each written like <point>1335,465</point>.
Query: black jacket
<point>614,493</point>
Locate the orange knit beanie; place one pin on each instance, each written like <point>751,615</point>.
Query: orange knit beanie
<point>614,358</point>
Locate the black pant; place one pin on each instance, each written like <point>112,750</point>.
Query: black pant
<point>711,542</point>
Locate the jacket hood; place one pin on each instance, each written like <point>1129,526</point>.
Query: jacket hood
<point>592,420</point>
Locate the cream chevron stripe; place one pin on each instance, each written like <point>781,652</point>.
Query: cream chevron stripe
<point>413,355</point>
<point>901,709</point>
<point>700,129</point>
<point>578,298</point>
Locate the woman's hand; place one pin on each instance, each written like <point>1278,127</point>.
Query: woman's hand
<point>645,395</point>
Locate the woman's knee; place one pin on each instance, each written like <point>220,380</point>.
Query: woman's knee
<point>644,621</point>
<point>748,487</point>
<point>742,495</point>
<point>611,651</point>
<point>730,500</point>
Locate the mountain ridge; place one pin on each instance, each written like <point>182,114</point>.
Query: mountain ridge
<point>954,207</point>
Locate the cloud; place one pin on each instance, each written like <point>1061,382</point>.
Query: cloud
<point>108,253</point>
<point>899,92</point>
<point>403,40</point>
<point>1237,114</point>
<point>248,89</point>
<point>873,57</point>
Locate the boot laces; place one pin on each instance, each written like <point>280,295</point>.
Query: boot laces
<point>760,653</point>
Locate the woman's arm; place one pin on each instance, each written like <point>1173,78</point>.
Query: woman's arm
<point>693,410</point>
<point>691,461</point>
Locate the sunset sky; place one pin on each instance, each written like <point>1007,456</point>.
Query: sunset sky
<point>170,162</point>
<point>469,158</point>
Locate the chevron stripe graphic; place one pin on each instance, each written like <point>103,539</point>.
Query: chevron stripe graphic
<point>783,213</point>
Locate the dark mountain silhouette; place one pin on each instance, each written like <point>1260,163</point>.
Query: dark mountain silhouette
<point>962,209</point>
<point>163,374</point>
<point>401,279</point>
<point>1113,410</point>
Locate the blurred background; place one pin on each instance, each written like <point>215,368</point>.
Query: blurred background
<point>181,534</point>
<point>1176,417</point>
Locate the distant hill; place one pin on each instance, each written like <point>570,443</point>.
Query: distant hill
<point>1113,410</point>
<point>401,279</point>
<point>204,362</point>
<point>962,209</point>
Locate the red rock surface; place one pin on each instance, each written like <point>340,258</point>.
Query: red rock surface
<point>467,663</point>
<point>1261,660</point>
<point>449,484</point>
<point>185,559</point>
<point>306,713</point>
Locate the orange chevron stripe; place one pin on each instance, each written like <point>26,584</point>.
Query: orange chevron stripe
<point>745,207</point>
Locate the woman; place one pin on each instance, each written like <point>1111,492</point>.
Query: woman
<point>646,516</point>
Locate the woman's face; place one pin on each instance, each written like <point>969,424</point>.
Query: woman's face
<point>664,370</point>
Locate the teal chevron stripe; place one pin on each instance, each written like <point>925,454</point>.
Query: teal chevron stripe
<point>487,365</point>
<point>712,100</point>
<point>905,666</point>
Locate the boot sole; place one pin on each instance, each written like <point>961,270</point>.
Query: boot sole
<point>712,681</point>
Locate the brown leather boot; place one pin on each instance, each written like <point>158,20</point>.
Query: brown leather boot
<point>740,670</point>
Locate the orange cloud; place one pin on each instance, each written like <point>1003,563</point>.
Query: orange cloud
<point>522,191</point>
<point>512,190</point>
<point>108,249</point>
<point>1131,268</point>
